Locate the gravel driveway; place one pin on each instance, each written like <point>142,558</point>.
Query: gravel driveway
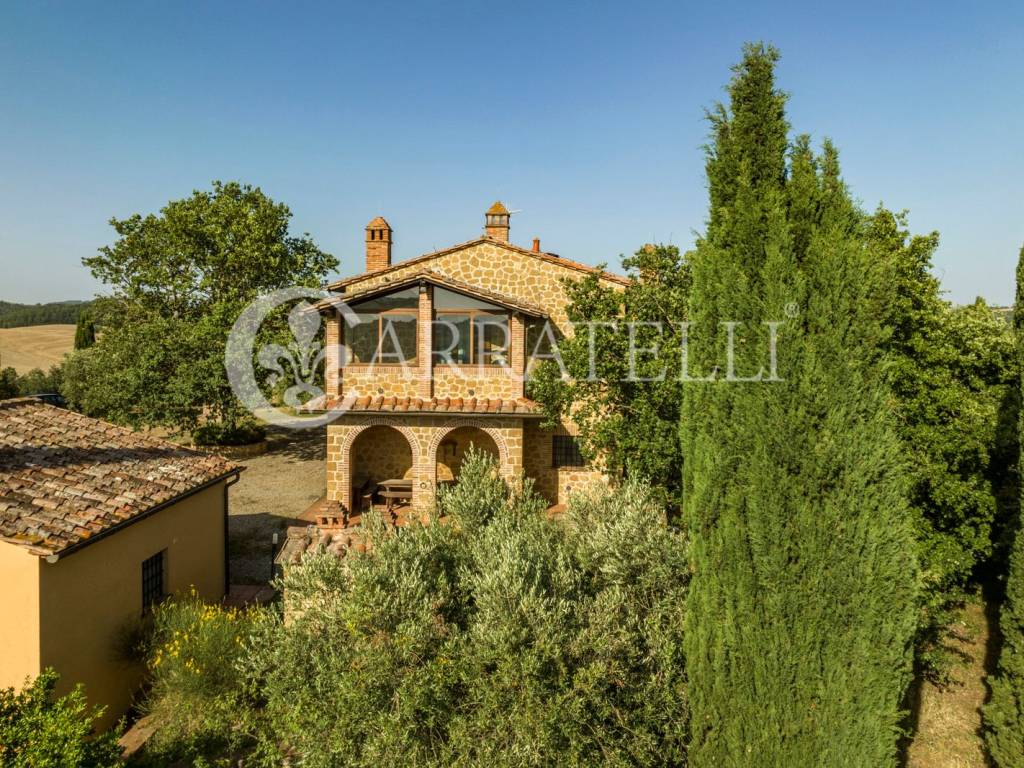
<point>274,488</point>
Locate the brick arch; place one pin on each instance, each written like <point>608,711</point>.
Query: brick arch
<point>352,434</point>
<point>381,421</point>
<point>483,426</point>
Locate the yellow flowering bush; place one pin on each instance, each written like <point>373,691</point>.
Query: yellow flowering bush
<point>192,660</point>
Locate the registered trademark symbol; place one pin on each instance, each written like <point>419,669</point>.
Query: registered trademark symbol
<point>792,309</point>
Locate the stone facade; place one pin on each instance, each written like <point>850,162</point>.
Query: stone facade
<point>555,484</point>
<point>423,435</point>
<point>497,266</point>
<point>490,264</point>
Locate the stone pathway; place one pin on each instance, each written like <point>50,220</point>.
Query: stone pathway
<point>275,488</point>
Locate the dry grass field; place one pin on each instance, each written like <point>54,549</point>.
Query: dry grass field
<point>35,346</point>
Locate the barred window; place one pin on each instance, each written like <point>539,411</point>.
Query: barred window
<point>565,452</point>
<point>153,580</point>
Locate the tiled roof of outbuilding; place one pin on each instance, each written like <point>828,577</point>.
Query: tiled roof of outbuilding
<point>66,478</point>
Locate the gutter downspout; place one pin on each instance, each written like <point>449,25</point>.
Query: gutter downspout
<point>227,562</point>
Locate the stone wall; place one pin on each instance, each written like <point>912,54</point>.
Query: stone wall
<point>423,434</point>
<point>555,485</point>
<point>476,381</point>
<point>380,453</point>
<point>386,380</point>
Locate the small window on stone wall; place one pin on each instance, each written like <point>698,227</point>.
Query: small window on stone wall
<point>565,452</point>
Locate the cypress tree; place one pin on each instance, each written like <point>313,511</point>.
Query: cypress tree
<point>85,332</point>
<point>1004,713</point>
<point>801,610</point>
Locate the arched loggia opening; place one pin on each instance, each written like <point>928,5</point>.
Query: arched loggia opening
<point>380,453</point>
<point>452,450</point>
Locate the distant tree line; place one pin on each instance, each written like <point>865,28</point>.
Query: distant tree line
<point>35,382</point>
<point>14,315</point>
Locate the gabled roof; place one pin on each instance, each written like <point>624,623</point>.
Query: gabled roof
<point>67,479</point>
<point>548,257</point>
<point>436,278</point>
<point>378,223</point>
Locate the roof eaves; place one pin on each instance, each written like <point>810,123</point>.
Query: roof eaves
<point>435,278</point>
<point>52,555</point>
<point>549,257</point>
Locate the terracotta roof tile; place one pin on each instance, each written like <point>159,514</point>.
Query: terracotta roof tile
<point>65,478</point>
<point>470,405</point>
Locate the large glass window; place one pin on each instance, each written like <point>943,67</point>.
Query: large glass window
<point>541,339</point>
<point>469,331</point>
<point>386,331</point>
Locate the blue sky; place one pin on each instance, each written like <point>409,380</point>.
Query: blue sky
<point>587,117</point>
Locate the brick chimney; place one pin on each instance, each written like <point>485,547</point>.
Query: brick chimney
<point>378,245</point>
<point>496,222</point>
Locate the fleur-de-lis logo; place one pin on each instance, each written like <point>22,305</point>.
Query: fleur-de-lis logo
<point>302,354</point>
<point>295,361</point>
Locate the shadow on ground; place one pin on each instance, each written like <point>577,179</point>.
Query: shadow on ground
<point>275,488</point>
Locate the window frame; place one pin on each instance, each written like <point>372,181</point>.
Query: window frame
<point>151,580</point>
<point>381,315</point>
<point>567,452</point>
<point>472,315</point>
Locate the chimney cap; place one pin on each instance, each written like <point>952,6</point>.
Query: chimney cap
<point>497,209</point>
<point>378,223</point>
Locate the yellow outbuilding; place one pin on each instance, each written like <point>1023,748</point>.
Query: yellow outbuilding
<point>97,524</point>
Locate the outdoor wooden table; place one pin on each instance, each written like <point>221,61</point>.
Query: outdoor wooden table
<point>395,490</point>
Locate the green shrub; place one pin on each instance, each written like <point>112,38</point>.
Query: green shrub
<point>38,730</point>
<point>37,382</point>
<point>244,433</point>
<point>8,383</point>
<point>574,651</point>
<point>1004,714</point>
<point>196,689</point>
<point>493,636</point>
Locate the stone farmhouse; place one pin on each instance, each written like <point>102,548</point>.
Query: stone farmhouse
<point>435,362</point>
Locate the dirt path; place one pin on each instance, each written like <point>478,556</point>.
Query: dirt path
<point>949,721</point>
<point>274,488</point>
